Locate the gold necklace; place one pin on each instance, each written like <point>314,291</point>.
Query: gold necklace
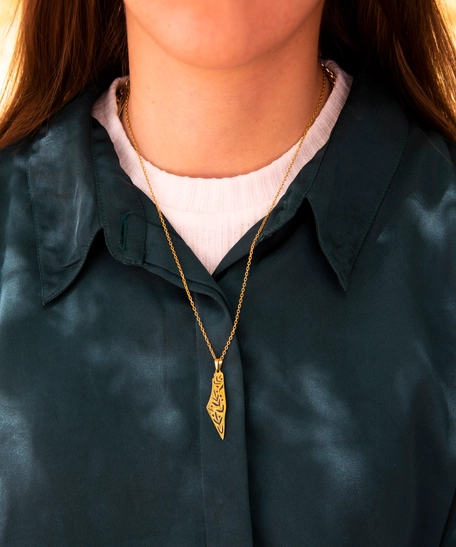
<point>216,406</point>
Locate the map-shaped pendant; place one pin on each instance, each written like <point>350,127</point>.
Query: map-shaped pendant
<point>216,405</point>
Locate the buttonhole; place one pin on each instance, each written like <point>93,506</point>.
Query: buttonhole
<point>123,230</point>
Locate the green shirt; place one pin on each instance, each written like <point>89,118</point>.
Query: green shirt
<point>340,382</point>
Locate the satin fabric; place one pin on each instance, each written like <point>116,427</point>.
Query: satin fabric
<point>340,382</point>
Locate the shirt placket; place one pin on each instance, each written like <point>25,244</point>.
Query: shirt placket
<point>224,467</point>
<point>225,487</point>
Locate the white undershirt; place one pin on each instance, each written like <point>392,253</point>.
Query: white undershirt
<point>211,215</point>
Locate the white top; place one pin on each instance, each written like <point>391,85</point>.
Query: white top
<point>211,215</point>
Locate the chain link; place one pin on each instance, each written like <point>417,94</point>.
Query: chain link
<point>327,74</point>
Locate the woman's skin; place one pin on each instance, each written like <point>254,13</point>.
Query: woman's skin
<point>221,88</point>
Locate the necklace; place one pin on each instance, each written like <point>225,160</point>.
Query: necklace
<point>216,406</point>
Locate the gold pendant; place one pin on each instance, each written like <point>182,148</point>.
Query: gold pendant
<point>216,405</point>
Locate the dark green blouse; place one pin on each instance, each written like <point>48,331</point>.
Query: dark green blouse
<point>341,380</point>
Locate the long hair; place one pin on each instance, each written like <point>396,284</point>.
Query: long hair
<point>63,46</point>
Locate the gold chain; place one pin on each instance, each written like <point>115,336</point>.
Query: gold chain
<point>216,406</point>
<point>255,240</point>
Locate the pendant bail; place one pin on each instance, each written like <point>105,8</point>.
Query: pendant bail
<point>218,364</point>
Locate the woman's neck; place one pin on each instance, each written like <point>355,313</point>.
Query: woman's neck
<point>221,122</point>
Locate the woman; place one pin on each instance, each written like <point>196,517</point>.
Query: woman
<point>134,260</point>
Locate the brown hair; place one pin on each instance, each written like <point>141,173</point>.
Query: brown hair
<point>62,46</point>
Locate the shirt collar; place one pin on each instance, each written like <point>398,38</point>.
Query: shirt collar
<point>361,159</point>
<point>77,186</point>
<point>63,195</point>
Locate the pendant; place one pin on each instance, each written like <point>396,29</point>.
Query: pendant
<point>216,405</point>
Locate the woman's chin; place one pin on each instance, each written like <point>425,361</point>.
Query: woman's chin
<point>220,39</point>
